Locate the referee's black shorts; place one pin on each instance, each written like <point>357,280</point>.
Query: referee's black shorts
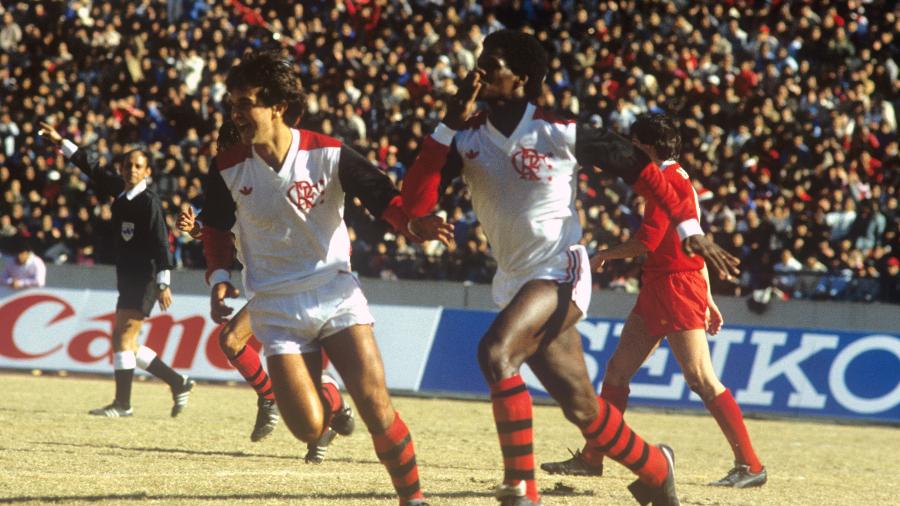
<point>138,293</point>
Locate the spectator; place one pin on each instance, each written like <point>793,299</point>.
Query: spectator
<point>777,101</point>
<point>25,270</point>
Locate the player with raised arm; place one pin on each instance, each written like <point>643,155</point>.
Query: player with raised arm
<point>281,193</point>
<point>675,302</point>
<point>143,263</point>
<point>520,164</point>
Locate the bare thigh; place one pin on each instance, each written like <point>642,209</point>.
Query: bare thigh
<point>354,353</point>
<point>296,382</point>
<point>541,310</point>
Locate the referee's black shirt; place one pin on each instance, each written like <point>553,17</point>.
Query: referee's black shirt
<point>142,240</point>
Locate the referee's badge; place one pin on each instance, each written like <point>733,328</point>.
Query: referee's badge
<point>127,230</point>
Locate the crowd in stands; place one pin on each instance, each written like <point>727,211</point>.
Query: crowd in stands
<point>788,112</point>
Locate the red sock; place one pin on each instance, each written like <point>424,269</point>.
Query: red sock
<point>512,414</point>
<point>395,450</point>
<point>728,414</point>
<point>618,397</point>
<point>332,396</point>
<point>609,435</point>
<point>247,363</point>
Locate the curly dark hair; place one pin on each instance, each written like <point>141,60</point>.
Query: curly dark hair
<point>524,55</point>
<point>275,74</point>
<point>660,131</point>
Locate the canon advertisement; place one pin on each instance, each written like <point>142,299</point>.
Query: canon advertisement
<point>770,370</point>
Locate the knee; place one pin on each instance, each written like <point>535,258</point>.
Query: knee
<point>616,373</point>
<point>495,358</point>
<point>705,387</point>
<point>229,342</point>
<point>581,413</point>
<point>304,428</point>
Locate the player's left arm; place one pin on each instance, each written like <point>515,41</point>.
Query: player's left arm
<point>162,256</point>
<point>609,152</point>
<point>361,179</point>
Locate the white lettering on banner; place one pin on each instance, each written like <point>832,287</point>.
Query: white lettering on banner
<point>838,374</point>
<point>764,370</point>
<point>595,333</point>
<point>719,346</point>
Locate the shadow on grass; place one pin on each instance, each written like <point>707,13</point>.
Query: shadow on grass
<point>236,454</point>
<point>226,497</point>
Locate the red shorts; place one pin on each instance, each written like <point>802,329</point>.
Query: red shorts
<point>672,302</point>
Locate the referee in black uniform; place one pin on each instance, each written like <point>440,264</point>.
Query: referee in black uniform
<point>143,261</point>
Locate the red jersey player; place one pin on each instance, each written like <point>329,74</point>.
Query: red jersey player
<point>674,301</point>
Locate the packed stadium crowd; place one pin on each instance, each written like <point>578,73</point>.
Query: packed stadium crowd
<point>788,115</point>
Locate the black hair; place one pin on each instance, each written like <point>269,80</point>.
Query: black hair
<point>275,74</point>
<point>20,244</point>
<point>659,131</point>
<point>524,55</point>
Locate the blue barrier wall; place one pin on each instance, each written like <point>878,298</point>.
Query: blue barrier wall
<point>772,370</point>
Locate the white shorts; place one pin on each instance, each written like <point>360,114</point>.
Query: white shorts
<point>571,266</point>
<point>297,323</point>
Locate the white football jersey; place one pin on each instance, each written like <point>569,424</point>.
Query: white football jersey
<point>523,187</point>
<point>289,230</point>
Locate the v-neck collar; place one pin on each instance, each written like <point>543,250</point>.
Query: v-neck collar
<point>503,142</point>
<point>291,154</point>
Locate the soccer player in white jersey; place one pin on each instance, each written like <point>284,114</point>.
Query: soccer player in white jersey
<point>281,193</point>
<point>520,164</point>
<point>675,302</point>
<point>235,336</point>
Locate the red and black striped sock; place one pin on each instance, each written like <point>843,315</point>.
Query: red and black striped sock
<point>394,448</point>
<point>728,414</point>
<point>618,397</point>
<point>247,363</point>
<point>513,417</point>
<point>609,435</point>
<point>331,397</point>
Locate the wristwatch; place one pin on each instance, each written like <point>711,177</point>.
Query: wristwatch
<point>162,286</point>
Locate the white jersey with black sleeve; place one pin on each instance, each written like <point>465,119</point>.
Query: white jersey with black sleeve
<point>288,223</point>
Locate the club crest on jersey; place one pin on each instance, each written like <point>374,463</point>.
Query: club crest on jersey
<point>127,230</point>
<point>530,164</point>
<point>472,154</point>
<point>306,195</point>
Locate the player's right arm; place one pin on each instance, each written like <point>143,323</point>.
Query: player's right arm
<point>438,160</point>
<point>86,160</point>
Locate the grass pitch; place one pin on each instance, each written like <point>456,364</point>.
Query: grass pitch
<point>52,452</point>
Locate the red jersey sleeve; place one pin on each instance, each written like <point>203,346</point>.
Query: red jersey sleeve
<point>654,227</point>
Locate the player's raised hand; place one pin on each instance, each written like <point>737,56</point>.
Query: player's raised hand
<point>724,262</point>
<point>48,132</point>
<point>165,298</point>
<point>432,228</point>
<point>462,106</point>
<point>218,310</point>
